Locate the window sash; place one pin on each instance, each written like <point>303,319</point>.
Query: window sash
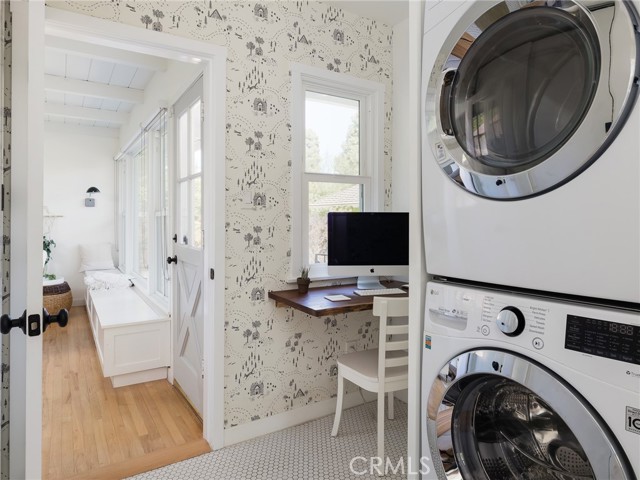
<point>370,96</point>
<point>145,207</point>
<point>365,203</point>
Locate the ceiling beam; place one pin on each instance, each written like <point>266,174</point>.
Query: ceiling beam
<point>93,89</point>
<point>107,54</point>
<point>84,113</point>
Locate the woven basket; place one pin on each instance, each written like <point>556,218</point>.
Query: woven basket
<point>57,297</point>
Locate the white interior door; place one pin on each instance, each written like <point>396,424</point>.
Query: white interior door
<point>188,309</point>
<point>26,238</point>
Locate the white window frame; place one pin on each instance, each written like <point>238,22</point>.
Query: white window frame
<point>158,210</point>
<point>126,213</point>
<point>121,210</point>
<point>140,162</point>
<point>371,97</point>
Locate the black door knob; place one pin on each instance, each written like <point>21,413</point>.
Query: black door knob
<point>173,259</point>
<point>6,324</point>
<point>62,318</point>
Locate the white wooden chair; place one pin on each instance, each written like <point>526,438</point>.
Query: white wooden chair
<point>382,370</point>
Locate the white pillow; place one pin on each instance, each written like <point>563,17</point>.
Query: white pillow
<point>96,256</point>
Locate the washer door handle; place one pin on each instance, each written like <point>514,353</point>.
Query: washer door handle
<point>445,102</point>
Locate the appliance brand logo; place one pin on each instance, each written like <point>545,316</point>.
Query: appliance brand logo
<point>633,374</point>
<point>632,423</point>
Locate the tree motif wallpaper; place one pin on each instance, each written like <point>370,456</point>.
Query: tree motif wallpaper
<point>275,359</point>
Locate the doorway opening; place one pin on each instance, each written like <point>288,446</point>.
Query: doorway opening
<point>137,403</point>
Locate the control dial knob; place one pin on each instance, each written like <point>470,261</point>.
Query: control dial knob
<point>510,321</point>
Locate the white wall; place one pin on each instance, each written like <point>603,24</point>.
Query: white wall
<point>400,174</point>
<point>75,160</point>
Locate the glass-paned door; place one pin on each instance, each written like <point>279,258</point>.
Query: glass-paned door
<point>188,248</point>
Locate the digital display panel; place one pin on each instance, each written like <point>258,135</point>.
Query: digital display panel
<point>618,341</point>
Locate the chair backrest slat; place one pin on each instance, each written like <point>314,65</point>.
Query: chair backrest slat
<point>397,362</point>
<point>385,308</point>
<point>397,329</point>
<point>397,345</point>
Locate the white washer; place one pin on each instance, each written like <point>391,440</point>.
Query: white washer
<point>520,386</point>
<point>531,150</point>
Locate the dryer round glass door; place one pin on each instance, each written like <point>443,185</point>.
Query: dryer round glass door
<point>493,415</point>
<point>525,95</point>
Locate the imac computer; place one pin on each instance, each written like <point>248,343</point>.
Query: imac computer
<point>368,245</point>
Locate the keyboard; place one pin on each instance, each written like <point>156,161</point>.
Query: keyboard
<point>379,292</point>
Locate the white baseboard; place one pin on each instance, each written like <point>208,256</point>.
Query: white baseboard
<point>80,302</point>
<point>278,422</point>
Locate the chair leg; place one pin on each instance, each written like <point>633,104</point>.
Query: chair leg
<point>381,429</point>
<point>338,414</point>
<point>390,406</point>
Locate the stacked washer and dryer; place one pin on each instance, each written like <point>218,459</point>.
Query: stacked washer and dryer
<point>531,201</point>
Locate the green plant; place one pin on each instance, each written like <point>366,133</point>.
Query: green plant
<point>47,246</point>
<point>304,273</point>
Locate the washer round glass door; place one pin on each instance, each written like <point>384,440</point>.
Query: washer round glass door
<point>494,415</point>
<point>531,93</point>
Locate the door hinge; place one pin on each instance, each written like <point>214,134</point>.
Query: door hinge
<point>202,111</point>
<point>202,365</point>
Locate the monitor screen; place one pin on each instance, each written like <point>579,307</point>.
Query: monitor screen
<point>368,243</point>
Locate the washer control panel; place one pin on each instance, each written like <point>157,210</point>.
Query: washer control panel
<point>618,341</point>
<point>595,340</point>
<point>487,314</point>
<point>535,323</point>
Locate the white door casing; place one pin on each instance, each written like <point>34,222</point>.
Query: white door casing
<point>188,312</point>
<point>27,188</point>
<point>26,236</point>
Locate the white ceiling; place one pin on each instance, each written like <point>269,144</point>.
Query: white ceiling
<point>388,12</point>
<point>92,85</point>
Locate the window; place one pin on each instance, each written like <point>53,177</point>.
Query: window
<point>189,170</point>
<point>142,206</point>
<point>141,214</point>
<point>337,165</point>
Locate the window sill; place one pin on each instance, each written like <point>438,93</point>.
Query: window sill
<point>341,280</point>
<point>318,273</point>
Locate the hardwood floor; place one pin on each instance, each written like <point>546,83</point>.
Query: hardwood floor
<point>92,430</point>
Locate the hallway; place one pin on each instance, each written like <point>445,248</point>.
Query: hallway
<point>91,430</point>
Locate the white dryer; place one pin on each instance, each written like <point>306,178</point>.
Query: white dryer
<point>531,144</point>
<point>526,387</point>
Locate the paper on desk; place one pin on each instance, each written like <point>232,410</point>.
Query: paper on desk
<point>337,298</point>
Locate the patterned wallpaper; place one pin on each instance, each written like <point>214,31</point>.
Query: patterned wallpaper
<point>275,359</point>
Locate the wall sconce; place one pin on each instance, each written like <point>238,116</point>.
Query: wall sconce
<point>91,202</point>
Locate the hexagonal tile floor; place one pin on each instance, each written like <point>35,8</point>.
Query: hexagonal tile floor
<point>306,451</point>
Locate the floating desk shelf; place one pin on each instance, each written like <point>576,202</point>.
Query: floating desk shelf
<point>316,305</point>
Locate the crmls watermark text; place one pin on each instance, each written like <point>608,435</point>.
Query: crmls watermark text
<point>386,466</point>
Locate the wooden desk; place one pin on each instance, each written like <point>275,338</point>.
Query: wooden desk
<point>315,304</point>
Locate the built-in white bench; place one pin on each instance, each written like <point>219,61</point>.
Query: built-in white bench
<point>132,338</point>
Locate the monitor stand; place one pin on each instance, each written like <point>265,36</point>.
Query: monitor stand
<point>369,283</point>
